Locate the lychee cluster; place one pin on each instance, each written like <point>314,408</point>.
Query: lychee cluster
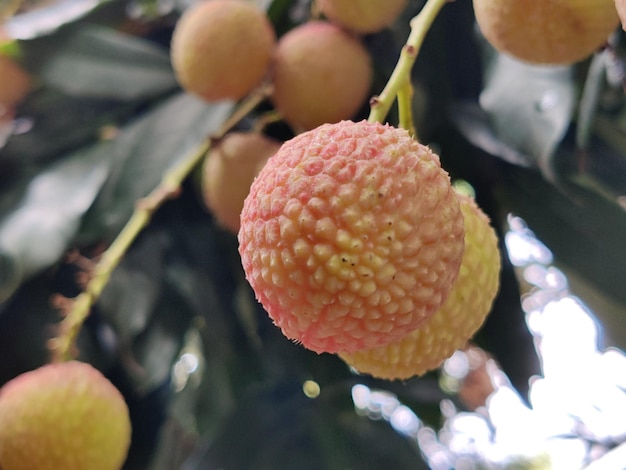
<point>351,236</point>
<point>63,416</point>
<point>320,71</point>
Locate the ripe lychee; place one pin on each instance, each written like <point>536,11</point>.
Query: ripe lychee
<point>547,31</point>
<point>322,74</point>
<point>351,236</point>
<point>362,16</point>
<point>456,321</point>
<point>228,171</point>
<point>63,416</point>
<point>221,49</point>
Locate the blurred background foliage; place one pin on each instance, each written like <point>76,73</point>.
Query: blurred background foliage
<point>210,382</point>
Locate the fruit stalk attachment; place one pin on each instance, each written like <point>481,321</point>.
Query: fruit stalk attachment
<point>63,346</point>
<point>399,84</point>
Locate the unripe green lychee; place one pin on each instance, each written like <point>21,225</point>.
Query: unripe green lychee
<point>228,171</point>
<point>63,416</point>
<point>362,16</point>
<point>351,236</point>
<point>456,321</point>
<point>547,31</point>
<point>221,49</point>
<point>322,74</point>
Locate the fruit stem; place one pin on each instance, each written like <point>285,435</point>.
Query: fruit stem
<point>401,75</point>
<point>63,346</point>
<point>405,108</point>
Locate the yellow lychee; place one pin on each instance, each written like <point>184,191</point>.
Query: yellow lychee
<point>221,49</point>
<point>63,416</point>
<point>362,16</point>
<point>228,172</point>
<point>547,31</point>
<point>456,321</point>
<point>321,74</point>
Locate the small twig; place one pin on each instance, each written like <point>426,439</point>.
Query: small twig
<point>401,74</point>
<point>76,310</point>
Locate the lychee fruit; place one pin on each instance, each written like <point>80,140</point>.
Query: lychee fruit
<point>228,171</point>
<point>221,49</point>
<point>351,236</point>
<point>547,31</point>
<point>457,320</point>
<point>63,416</point>
<point>321,74</point>
<point>362,16</point>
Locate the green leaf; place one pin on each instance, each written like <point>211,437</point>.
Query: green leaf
<point>43,21</point>
<point>37,233</point>
<point>144,151</point>
<point>98,62</point>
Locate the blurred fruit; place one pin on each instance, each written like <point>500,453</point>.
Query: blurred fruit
<point>549,31</point>
<point>15,83</point>
<point>322,74</point>
<point>351,236</point>
<point>63,416</point>
<point>362,16</point>
<point>221,49</point>
<point>456,321</point>
<point>228,172</point>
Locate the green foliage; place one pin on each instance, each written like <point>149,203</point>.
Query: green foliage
<point>108,121</point>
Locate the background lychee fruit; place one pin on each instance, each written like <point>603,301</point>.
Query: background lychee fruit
<point>221,49</point>
<point>63,416</point>
<point>228,172</point>
<point>547,31</point>
<point>321,74</point>
<point>362,16</point>
<point>456,321</point>
<point>351,236</point>
<point>621,11</point>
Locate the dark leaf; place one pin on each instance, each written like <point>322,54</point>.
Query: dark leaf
<point>40,229</point>
<point>144,151</point>
<point>98,62</point>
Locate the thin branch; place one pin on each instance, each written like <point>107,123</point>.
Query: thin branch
<point>401,75</point>
<point>63,346</point>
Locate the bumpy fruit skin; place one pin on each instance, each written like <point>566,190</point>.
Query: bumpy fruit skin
<point>322,74</point>
<point>351,236</point>
<point>15,83</point>
<point>362,16</point>
<point>228,172</point>
<point>63,416</point>
<point>547,31</point>
<point>221,49</point>
<point>456,321</point>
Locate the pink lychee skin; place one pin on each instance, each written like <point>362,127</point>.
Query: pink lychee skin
<point>351,236</point>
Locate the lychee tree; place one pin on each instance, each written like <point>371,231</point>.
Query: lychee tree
<point>122,175</point>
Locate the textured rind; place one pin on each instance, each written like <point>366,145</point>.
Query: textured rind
<point>321,74</point>
<point>228,172</point>
<point>63,416</point>
<point>221,49</point>
<point>457,320</point>
<point>351,236</point>
<point>547,31</point>
<point>362,16</point>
